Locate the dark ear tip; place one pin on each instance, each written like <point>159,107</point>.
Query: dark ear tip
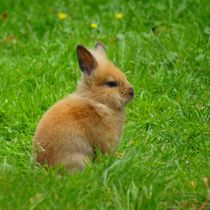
<point>99,44</point>
<point>79,47</point>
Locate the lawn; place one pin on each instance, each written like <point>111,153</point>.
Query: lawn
<point>163,161</point>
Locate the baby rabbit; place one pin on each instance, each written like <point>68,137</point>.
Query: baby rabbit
<point>92,117</point>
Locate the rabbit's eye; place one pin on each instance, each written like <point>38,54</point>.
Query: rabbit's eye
<point>111,84</point>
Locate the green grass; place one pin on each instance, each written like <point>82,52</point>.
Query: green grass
<point>164,49</point>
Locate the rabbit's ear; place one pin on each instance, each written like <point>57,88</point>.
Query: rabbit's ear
<point>86,60</point>
<point>100,47</point>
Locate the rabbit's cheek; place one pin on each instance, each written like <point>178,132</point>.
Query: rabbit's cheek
<point>117,100</point>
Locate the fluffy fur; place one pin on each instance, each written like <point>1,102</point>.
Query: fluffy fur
<point>93,116</point>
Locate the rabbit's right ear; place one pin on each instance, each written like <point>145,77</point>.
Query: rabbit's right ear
<point>86,60</point>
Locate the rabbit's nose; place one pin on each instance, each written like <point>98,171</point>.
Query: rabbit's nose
<point>131,92</point>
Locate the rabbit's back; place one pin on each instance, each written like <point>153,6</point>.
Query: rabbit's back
<point>77,124</point>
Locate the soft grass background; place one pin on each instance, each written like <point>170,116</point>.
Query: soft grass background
<point>163,47</point>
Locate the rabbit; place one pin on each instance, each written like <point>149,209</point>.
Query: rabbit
<point>92,117</point>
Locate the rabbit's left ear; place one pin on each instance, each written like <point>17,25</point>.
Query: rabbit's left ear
<point>100,48</point>
<point>86,60</point>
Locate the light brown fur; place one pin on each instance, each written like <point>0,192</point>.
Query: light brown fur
<point>93,116</point>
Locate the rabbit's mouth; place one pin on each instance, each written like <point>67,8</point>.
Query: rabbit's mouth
<point>124,101</point>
